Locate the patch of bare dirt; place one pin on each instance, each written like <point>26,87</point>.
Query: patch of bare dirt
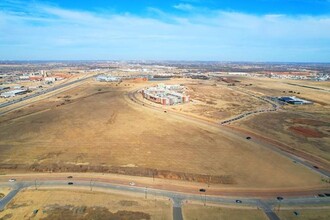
<point>55,212</point>
<point>7,216</point>
<point>128,203</point>
<point>131,171</point>
<point>306,132</point>
<point>311,122</point>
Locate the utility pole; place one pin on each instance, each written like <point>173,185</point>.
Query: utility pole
<point>279,199</point>
<point>279,206</point>
<point>146,193</point>
<point>35,184</point>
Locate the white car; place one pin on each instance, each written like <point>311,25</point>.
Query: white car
<point>132,184</point>
<point>12,180</point>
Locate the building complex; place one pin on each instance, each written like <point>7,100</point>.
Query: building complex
<point>166,94</point>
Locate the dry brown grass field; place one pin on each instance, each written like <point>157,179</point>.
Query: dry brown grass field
<point>4,191</point>
<point>79,204</point>
<point>305,128</point>
<point>315,213</point>
<point>200,212</point>
<point>215,101</point>
<point>96,128</point>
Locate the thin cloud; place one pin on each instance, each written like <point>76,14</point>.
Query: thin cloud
<point>184,7</point>
<point>49,32</point>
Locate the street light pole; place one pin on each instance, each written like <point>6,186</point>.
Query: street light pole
<point>91,185</point>
<point>279,199</point>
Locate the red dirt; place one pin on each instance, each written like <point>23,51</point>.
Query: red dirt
<point>311,122</point>
<point>286,148</point>
<point>306,132</point>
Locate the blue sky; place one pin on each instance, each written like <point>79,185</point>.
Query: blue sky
<point>217,30</point>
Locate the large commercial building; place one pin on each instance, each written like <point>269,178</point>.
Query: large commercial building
<point>166,94</point>
<point>294,100</point>
<point>107,78</point>
<point>13,93</point>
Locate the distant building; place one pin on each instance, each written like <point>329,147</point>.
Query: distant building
<point>4,88</point>
<point>24,77</point>
<point>35,78</point>
<point>107,78</point>
<point>13,93</point>
<point>166,94</point>
<point>50,79</point>
<point>294,100</point>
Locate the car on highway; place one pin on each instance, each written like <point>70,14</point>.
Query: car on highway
<point>316,167</point>
<point>320,195</point>
<point>70,177</point>
<point>132,184</point>
<point>70,183</point>
<point>12,180</point>
<point>202,190</point>
<point>248,138</point>
<point>279,198</point>
<point>238,201</point>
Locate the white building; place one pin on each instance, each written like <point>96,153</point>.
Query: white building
<point>106,78</point>
<point>166,94</point>
<point>50,79</point>
<point>13,93</point>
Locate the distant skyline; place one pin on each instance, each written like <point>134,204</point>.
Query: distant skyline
<point>204,30</point>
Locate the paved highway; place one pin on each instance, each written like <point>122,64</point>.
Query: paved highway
<point>6,104</point>
<point>176,197</point>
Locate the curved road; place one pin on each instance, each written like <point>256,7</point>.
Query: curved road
<point>274,108</point>
<point>176,197</point>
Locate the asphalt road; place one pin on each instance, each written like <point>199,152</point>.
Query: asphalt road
<point>6,104</point>
<point>176,197</point>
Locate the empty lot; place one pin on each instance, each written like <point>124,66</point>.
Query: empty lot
<point>200,212</point>
<point>79,204</point>
<point>94,128</point>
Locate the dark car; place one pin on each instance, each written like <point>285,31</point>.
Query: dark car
<point>316,167</point>
<point>202,190</point>
<point>70,177</point>
<point>279,198</point>
<point>238,201</point>
<point>321,195</point>
<point>70,183</point>
<point>248,138</point>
